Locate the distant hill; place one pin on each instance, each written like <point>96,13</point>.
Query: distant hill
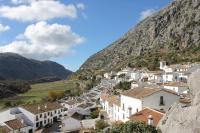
<point>171,34</point>
<point>17,67</point>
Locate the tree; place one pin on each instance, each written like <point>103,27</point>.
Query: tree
<point>54,95</point>
<point>123,86</point>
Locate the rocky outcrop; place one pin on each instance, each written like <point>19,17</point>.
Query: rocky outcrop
<point>184,120</point>
<point>174,28</point>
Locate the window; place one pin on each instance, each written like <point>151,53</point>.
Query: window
<point>161,100</point>
<point>48,113</point>
<point>40,115</point>
<point>137,110</point>
<point>130,111</point>
<point>37,118</point>
<point>37,124</point>
<point>45,121</point>
<point>123,116</point>
<point>55,111</point>
<point>123,106</point>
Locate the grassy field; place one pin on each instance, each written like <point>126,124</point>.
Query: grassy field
<point>38,92</point>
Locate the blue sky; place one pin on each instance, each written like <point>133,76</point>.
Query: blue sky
<point>72,32</point>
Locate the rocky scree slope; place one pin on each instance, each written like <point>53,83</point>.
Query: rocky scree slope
<point>172,34</point>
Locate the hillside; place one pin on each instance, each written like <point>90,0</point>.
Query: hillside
<point>16,67</point>
<point>172,34</point>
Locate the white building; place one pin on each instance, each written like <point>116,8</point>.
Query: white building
<point>134,85</point>
<point>155,76</point>
<point>168,77</point>
<point>134,100</point>
<point>18,126</point>
<point>39,115</point>
<point>178,87</point>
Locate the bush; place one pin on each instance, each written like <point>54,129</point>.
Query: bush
<point>101,124</point>
<point>133,127</point>
<point>94,114</point>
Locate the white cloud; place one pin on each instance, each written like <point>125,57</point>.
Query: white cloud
<point>80,6</point>
<point>4,28</point>
<point>44,41</point>
<point>147,13</point>
<point>38,10</point>
<point>21,1</point>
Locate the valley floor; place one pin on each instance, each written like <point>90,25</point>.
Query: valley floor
<point>38,92</point>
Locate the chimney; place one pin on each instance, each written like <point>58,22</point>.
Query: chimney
<point>22,121</point>
<point>150,120</point>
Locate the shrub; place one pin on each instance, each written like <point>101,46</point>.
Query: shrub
<point>101,124</point>
<point>94,114</point>
<point>134,127</point>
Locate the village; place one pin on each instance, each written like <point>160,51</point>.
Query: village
<point>150,96</point>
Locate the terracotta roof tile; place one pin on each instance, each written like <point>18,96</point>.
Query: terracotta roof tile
<point>4,129</point>
<point>41,108</point>
<point>143,115</point>
<point>114,100</point>
<point>15,124</point>
<point>140,93</point>
<point>178,84</point>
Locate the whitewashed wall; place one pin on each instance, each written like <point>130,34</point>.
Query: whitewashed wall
<point>153,101</point>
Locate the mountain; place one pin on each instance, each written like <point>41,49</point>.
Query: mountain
<point>171,34</point>
<point>16,67</point>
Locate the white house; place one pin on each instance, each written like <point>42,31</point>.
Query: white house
<point>134,84</point>
<point>168,77</point>
<point>18,126</point>
<point>155,76</point>
<point>134,100</point>
<point>178,87</point>
<point>39,115</point>
<point>134,75</point>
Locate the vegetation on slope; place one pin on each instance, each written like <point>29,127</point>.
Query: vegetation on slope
<point>171,34</point>
<point>133,127</point>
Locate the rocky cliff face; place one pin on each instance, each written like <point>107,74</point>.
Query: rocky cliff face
<point>184,120</point>
<point>174,28</point>
<point>16,67</point>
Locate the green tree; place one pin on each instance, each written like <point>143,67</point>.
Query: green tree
<point>123,85</point>
<point>133,127</point>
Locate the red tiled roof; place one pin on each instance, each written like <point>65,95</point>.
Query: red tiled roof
<point>41,108</point>
<point>178,84</point>
<point>4,129</point>
<point>144,92</point>
<point>143,115</point>
<point>15,124</point>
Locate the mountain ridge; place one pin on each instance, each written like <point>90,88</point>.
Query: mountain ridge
<point>16,67</point>
<point>168,33</point>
